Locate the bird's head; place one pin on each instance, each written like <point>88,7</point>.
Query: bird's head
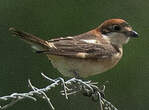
<point>117,31</point>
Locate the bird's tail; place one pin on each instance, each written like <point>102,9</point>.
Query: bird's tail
<point>35,42</point>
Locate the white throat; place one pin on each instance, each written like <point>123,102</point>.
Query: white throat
<point>116,38</point>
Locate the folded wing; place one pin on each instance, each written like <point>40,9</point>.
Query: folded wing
<point>72,47</point>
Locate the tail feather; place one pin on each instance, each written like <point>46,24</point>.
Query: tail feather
<point>35,42</point>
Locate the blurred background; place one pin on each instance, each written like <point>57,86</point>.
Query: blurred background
<point>128,85</point>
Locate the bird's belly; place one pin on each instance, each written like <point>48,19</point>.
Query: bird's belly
<point>83,67</point>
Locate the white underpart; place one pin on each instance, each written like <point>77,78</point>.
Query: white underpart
<point>116,38</point>
<point>92,41</point>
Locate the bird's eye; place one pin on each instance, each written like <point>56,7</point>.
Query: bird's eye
<point>116,27</point>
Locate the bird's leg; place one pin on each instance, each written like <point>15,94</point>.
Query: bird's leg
<point>76,74</point>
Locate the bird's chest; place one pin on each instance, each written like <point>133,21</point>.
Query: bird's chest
<point>110,62</point>
<point>84,67</point>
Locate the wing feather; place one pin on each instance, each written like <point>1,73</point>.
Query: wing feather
<point>72,47</point>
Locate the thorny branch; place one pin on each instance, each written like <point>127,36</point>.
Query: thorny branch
<point>70,87</point>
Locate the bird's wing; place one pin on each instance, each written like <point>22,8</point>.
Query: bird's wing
<point>80,48</point>
<point>86,45</point>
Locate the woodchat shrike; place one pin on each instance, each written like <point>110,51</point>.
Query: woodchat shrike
<point>87,54</point>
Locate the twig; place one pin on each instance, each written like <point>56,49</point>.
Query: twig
<point>70,87</point>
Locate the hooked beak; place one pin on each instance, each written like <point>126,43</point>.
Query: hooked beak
<point>133,34</point>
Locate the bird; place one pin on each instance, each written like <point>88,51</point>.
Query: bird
<point>86,54</point>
